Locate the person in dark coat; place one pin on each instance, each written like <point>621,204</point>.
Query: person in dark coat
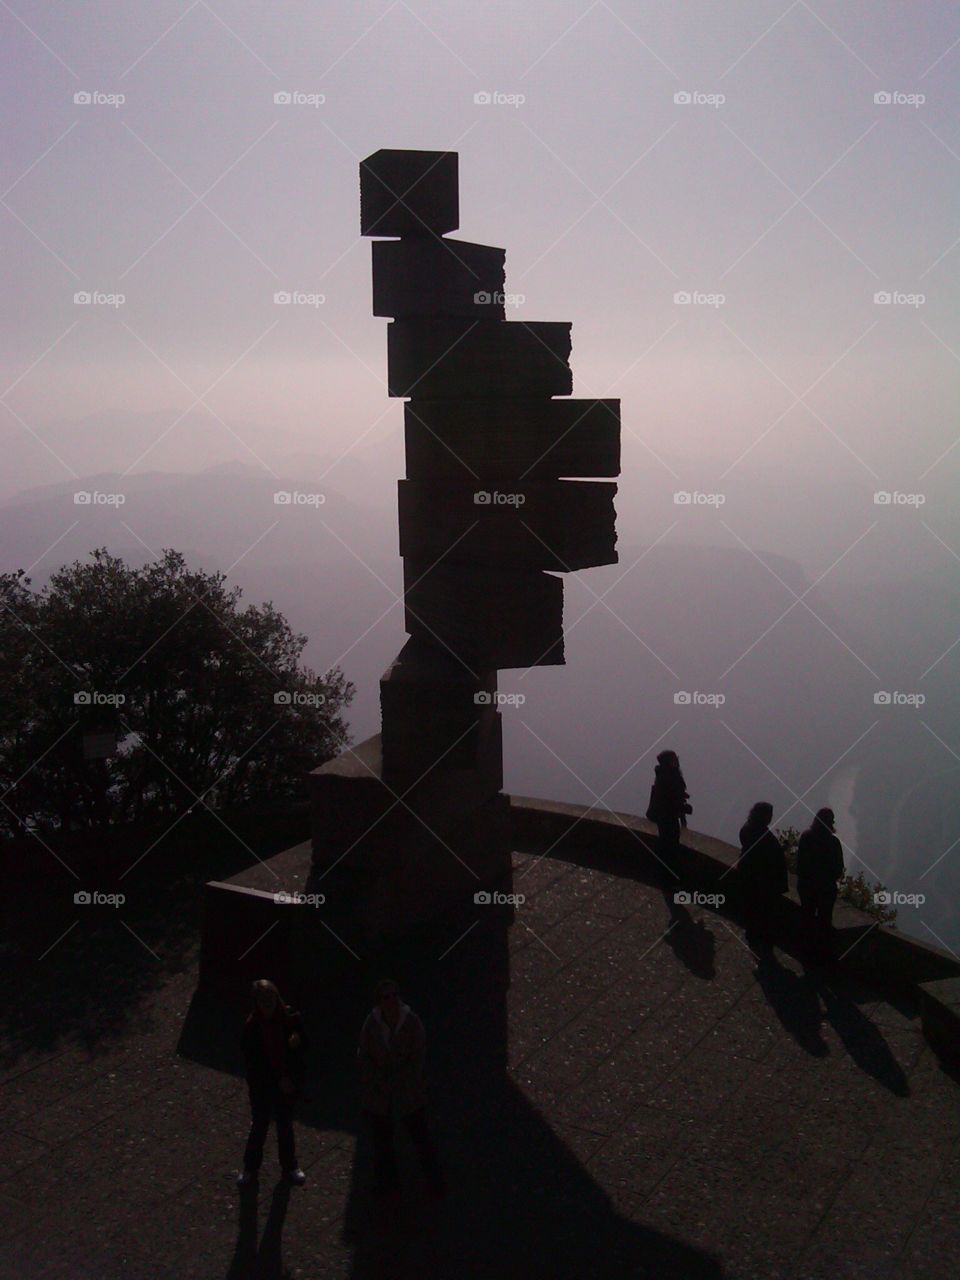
<point>819,869</point>
<point>273,1047</point>
<point>762,872</point>
<point>391,1058</point>
<point>669,807</point>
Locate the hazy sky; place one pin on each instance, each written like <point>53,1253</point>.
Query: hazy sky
<point>797,197</point>
<point>791,169</point>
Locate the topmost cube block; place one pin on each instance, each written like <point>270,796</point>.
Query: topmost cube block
<point>404,193</point>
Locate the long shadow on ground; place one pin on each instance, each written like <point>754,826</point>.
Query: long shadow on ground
<point>520,1204</point>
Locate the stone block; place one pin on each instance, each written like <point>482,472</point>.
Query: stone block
<point>549,524</point>
<point>409,193</point>
<point>491,617</point>
<point>360,815</point>
<point>245,936</point>
<point>429,276</point>
<point>476,359</point>
<point>434,710</point>
<point>526,439</point>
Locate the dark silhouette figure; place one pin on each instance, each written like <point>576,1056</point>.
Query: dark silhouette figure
<point>392,1056</point>
<point>819,868</point>
<point>273,1048</point>
<point>762,873</point>
<point>668,808</point>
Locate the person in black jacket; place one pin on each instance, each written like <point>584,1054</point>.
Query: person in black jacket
<point>669,807</point>
<point>762,872</point>
<point>273,1046</point>
<point>819,868</point>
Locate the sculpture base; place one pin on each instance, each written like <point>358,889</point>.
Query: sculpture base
<point>376,871</point>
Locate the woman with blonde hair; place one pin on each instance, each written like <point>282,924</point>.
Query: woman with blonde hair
<point>273,1046</point>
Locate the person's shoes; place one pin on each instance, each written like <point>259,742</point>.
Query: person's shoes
<point>296,1177</point>
<point>246,1177</point>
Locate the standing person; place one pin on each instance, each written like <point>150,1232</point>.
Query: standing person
<point>669,807</point>
<point>762,872</point>
<point>819,868</point>
<point>273,1046</point>
<point>392,1055</point>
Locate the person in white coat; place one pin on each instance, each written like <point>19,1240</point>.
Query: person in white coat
<point>392,1056</point>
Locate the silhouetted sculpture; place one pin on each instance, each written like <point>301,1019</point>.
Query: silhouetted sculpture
<point>762,872</point>
<point>414,819</point>
<point>392,1055</point>
<point>668,808</point>
<point>819,869</point>
<point>273,1047</point>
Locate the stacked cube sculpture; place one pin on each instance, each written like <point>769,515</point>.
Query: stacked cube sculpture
<point>502,491</point>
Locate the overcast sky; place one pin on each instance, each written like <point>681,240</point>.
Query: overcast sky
<point>782,186</point>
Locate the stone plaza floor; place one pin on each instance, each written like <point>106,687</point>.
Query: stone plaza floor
<point>617,1091</point>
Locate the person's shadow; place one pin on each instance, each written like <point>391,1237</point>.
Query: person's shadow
<point>690,940</point>
<point>793,998</point>
<point>803,1001</point>
<point>862,1039</point>
<point>520,1201</point>
<point>265,1262</point>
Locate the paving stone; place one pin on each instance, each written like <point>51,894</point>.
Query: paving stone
<point>935,1240</point>
<point>642,1098</point>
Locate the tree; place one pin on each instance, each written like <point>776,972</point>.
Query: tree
<point>198,697</point>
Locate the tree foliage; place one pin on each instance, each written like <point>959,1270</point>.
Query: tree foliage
<point>203,697</point>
